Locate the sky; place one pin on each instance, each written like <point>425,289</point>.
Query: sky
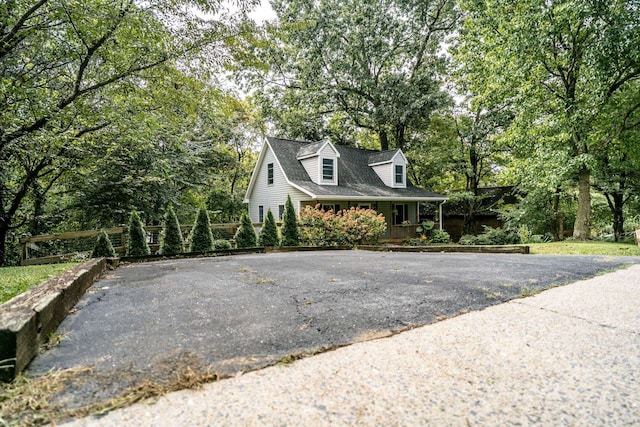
<point>264,12</point>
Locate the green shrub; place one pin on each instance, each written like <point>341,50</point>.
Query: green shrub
<point>491,236</point>
<point>269,232</point>
<point>500,236</point>
<point>290,232</point>
<point>245,235</point>
<point>439,236</point>
<point>103,247</point>
<point>347,227</point>
<point>467,239</point>
<point>315,226</point>
<point>201,235</point>
<point>172,241</point>
<point>355,226</point>
<point>525,233</point>
<point>137,242</point>
<point>221,244</point>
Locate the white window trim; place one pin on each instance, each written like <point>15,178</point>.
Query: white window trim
<point>273,174</point>
<point>321,180</point>
<point>402,184</point>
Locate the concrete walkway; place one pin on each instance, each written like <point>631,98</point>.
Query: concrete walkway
<point>568,356</point>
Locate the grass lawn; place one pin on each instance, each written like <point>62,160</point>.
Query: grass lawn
<point>574,247</point>
<point>16,280</point>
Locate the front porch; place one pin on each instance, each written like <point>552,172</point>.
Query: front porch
<point>403,217</point>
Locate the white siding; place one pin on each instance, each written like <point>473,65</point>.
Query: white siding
<point>311,166</point>
<point>270,196</point>
<point>384,171</point>
<point>327,151</point>
<point>387,172</point>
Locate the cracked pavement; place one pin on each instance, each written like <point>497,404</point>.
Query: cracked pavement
<point>239,313</point>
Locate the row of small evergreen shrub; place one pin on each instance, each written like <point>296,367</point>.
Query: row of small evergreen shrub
<point>201,237</point>
<point>171,240</point>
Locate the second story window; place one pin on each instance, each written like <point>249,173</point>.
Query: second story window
<point>269,173</point>
<point>327,170</point>
<point>399,173</point>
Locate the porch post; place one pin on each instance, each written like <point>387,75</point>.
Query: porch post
<point>440,213</point>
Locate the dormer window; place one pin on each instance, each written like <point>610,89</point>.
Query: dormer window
<point>399,174</point>
<point>328,170</point>
<point>320,161</point>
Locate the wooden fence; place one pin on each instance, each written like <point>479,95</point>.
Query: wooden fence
<point>58,247</point>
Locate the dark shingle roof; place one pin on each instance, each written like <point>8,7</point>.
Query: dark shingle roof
<point>355,177</point>
<point>382,156</point>
<point>310,149</point>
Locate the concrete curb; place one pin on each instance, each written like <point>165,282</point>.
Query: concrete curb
<point>27,320</point>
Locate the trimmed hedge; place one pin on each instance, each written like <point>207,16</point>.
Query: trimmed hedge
<point>269,232</point>
<point>290,232</point>
<point>201,235</point>
<point>245,235</point>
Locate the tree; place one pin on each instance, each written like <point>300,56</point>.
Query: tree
<point>337,66</point>
<point>201,235</point>
<point>563,65</point>
<point>68,70</point>
<point>103,247</point>
<point>269,232</point>
<point>172,241</point>
<point>137,239</point>
<point>290,232</point>
<point>245,236</point>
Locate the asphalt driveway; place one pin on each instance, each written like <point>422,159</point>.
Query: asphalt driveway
<point>143,322</point>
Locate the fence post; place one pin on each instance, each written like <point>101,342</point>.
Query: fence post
<point>24,250</point>
<point>123,239</point>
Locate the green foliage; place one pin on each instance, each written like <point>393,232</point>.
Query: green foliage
<point>316,226</point>
<point>221,244</point>
<point>201,235</point>
<point>491,236</point>
<point>103,247</point>
<point>137,239</point>
<point>355,226</point>
<point>171,240</point>
<point>347,227</point>
<point>245,235</point>
<point>16,280</point>
<point>269,232</point>
<point>439,236</point>
<point>359,67</point>
<point>290,232</point>
<point>104,111</point>
<point>568,68</point>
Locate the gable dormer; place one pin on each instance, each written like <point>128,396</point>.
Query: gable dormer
<point>320,160</point>
<point>391,167</point>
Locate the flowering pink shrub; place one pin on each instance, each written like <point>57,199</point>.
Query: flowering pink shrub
<point>347,227</point>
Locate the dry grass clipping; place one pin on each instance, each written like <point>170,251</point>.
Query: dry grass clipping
<point>27,401</point>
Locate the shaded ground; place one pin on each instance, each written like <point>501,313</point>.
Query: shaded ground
<point>151,321</point>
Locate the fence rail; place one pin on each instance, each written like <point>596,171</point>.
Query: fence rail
<point>58,247</point>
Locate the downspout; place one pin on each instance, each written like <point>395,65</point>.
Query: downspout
<point>440,213</point>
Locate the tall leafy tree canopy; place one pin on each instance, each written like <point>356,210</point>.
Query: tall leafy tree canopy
<point>565,64</point>
<point>71,70</point>
<point>334,68</point>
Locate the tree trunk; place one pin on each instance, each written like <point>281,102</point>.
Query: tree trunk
<point>582,226</point>
<point>384,140</point>
<point>555,224</point>
<point>4,231</point>
<point>616,205</point>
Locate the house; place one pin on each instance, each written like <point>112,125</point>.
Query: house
<point>338,177</point>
